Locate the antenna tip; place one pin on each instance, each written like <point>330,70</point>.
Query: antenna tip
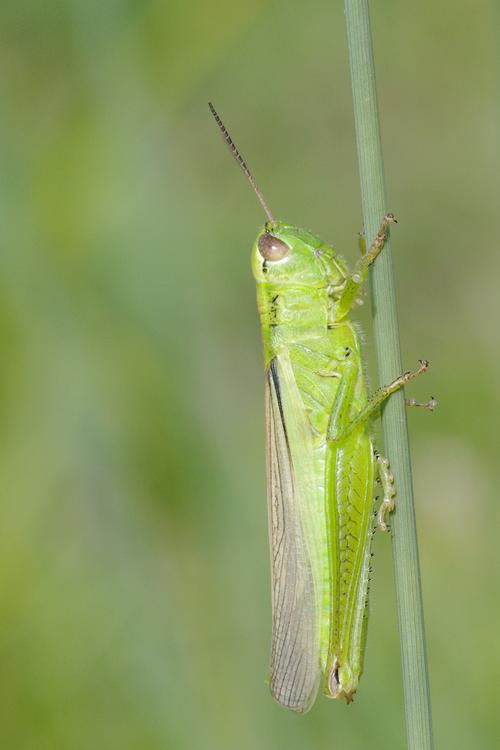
<point>214,112</point>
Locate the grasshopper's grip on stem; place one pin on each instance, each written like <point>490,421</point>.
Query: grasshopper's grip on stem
<point>358,277</point>
<point>375,401</point>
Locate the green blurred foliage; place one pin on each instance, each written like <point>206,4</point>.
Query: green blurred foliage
<point>134,592</point>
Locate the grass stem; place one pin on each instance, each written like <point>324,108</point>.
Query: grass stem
<point>394,426</point>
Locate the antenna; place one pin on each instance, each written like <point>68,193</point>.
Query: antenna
<point>241,162</point>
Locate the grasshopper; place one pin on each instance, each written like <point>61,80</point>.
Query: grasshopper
<point>321,460</point>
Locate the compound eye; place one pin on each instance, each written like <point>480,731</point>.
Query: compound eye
<point>271,248</point>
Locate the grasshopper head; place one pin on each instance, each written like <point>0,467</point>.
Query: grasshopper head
<point>287,255</point>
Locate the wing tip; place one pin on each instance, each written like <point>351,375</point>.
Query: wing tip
<point>288,698</point>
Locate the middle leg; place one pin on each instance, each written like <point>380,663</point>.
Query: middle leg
<point>338,431</point>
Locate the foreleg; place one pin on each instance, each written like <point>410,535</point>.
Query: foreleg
<point>358,276</point>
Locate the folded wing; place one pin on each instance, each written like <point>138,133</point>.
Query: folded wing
<point>295,663</point>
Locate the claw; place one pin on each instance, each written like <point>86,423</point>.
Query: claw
<point>431,405</point>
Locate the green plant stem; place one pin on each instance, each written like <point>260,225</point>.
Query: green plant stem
<point>394,426</point>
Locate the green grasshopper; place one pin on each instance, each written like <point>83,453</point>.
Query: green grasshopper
<point>321,459</point>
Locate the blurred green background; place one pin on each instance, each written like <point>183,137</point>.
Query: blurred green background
<point>134,591</point>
